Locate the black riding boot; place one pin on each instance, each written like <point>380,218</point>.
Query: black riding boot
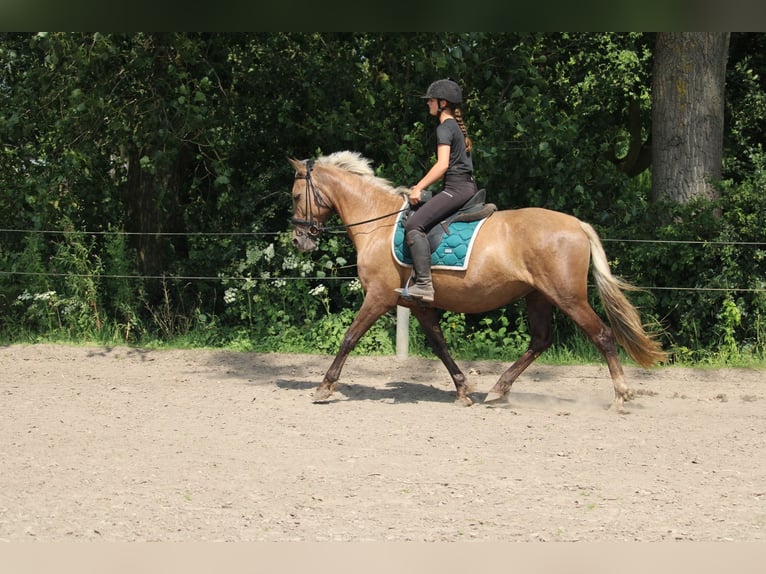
<point>420,251</point>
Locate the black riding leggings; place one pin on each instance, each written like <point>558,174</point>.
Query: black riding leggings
<point>456,191</point>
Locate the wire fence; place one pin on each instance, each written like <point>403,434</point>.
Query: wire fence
<point>275,233</point>
<point>336,277</point>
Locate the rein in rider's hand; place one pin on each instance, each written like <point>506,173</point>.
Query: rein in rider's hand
<point>415,195</point>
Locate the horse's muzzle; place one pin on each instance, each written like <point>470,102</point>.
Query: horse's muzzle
<point>303,241</point>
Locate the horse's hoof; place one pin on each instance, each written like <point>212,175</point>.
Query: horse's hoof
<point>494,398</point>
<point>463,401</point>
<point>322,394</point>
<point>619,406</point>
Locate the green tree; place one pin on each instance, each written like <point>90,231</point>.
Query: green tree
<point>172,148</point>
<point>688,114</point>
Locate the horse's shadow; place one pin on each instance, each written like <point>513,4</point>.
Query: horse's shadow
<point>394,392</point>
<point>399,392</point>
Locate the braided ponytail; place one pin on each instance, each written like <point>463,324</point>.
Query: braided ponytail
<point>459,119</point>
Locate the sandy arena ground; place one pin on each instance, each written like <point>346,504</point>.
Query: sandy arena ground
<point>122,444</point>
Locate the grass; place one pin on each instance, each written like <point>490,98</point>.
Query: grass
<point>576,350</point>
<point>579,351</point>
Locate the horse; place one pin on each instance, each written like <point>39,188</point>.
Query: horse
<point>541,255</point>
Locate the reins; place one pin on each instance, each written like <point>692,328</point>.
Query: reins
<point>314,227</point>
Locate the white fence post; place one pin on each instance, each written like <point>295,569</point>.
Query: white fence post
<point>402,332</point>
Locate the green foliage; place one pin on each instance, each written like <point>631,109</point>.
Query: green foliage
<point>327,334</point>
<point>69,303</point>
<point>706,275</point>
<point>491,336</point>
<point>121,294</point>
<point>498,338</point>
<point>171,149</point>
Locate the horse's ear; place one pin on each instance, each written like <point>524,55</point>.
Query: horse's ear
<point>297,164</point>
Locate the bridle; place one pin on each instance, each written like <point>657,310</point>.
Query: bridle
<point>314,227</point>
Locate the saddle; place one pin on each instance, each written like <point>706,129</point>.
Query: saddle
<point>474,209</point>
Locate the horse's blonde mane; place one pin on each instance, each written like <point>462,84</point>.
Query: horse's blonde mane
<point>355,163</point>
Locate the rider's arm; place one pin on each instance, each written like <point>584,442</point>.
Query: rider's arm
<point>434,174</point>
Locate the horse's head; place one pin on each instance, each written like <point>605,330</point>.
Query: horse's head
<point>310,210</point>
<point>342,182</point>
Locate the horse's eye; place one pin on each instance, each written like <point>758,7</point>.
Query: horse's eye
<point>296,198</point>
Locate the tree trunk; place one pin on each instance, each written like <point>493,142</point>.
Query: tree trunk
<point>687,114</point>
<point>144,216</point>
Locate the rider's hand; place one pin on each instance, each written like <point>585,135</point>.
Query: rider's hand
<point>415,194</point>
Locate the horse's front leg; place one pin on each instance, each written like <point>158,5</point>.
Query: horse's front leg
<point>369,312</point>
<point>428,318</point>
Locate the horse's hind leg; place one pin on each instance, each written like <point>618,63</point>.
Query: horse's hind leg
<point>601,336</point>
<point>540,318</point>
<point>429,321</point>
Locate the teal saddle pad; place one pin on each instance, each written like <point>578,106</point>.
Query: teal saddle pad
<point>454,250</point>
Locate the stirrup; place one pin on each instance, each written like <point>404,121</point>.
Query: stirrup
<point>405,291</point>
<point>407,296</point>
<point>418,298</point>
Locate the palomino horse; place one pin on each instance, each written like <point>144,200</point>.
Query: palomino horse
<point>541,255</point>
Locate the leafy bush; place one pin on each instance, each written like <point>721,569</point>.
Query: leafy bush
<point>172,149</point>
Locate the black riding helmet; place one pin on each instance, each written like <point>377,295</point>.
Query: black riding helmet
<point>445,90</point>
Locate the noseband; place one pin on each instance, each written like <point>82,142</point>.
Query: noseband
<point>313,226</point>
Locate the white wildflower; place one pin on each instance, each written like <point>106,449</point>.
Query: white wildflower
<point>230,295</point>
<point>318,290</point>
<point>25,296</point>
<point>355,286</point>
<point>44,296</point>
<point>289,262</point>
<point>252,255</point>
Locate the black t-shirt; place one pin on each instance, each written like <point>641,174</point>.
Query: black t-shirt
<point>448,133</point>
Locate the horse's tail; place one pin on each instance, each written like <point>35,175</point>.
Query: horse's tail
<point>623,317</point>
